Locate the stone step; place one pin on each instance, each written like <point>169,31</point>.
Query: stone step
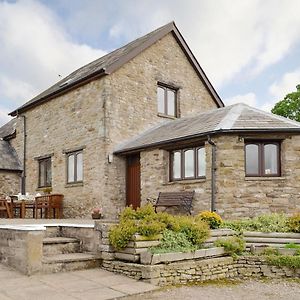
<point>52,231</point>
<point>70,261</point>
<point>60,245</point>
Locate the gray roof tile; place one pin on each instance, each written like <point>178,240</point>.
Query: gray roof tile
<point>8,157</point>
<point>8,129</point>
<point>238,117</point>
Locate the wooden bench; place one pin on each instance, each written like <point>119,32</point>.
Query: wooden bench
<point>175,199</point>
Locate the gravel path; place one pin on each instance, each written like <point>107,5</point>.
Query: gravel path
<point>245,290</point>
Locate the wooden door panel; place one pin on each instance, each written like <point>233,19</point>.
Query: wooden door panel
<point>133,181</point>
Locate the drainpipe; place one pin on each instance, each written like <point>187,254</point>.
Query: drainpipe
<point>23,187</point>
<point>213,173</point>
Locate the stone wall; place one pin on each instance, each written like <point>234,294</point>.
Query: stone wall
<point>131,106</point>
<point>22,249</point>
<point>237,196</point>
<point>155,178</point>
<point>201,270</point>
<point>10,183</point>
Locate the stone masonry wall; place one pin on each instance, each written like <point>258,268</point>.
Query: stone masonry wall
<point>201,270</point>
<point>9,183</point>
<point>131,107</point>
<point>240,196</point>
<point>68,122</point>
<point>236,196</point>
<point>155,178</point>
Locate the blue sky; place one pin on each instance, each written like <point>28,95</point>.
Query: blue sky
<point>249,49</point>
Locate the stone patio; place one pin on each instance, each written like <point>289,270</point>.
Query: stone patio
<point>87,284</point>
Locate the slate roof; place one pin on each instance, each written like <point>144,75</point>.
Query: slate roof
<point>235,118</point>
<point>8,129</point>
<point>114,60</point>
<point>8,157</point>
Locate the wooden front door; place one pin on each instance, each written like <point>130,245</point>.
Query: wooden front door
<point>133,181</point>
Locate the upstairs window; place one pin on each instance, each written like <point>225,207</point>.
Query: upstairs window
<point>262,158</point>
<point>45,176</point>
<point>167,101</point>
<point>187,163</point>
<point>75,167</point>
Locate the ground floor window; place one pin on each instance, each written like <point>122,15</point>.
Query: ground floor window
<point>262,158</point>
<point>45,176</point>
<point>189,163</point>
<point>74,167</point>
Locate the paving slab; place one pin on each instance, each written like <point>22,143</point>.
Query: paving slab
<point>85,284</point>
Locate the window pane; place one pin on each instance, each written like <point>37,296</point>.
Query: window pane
<point>71,168</point>
<point>201,162</point>
<point>176,165</point>
<point>42,173</point>
<point>79,167</point>
<point>171,103</point>
<point>189,165</point>
<point>48,172</point>
<point>161,100</point>
<point>252,159</point>
<point>270,158</point>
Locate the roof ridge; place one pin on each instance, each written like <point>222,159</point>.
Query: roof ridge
<point>230,118</point>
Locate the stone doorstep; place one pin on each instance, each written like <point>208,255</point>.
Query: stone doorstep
<point>59,240</point>
<point>60,245</point>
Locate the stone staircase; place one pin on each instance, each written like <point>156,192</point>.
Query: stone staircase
<point>61,253</point>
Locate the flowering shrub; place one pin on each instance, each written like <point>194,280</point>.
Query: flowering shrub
<point>211,218</point>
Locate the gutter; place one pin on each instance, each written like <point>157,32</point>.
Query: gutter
<point>213,174</point>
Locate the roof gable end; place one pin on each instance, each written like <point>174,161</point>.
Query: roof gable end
<point>115,60</point>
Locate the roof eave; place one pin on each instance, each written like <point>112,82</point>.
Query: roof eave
<point>59,92</point>
<point>199,135</point>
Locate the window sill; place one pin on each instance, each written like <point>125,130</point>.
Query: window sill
<point>188,181</point>
<point>43,188</point>
<point>265,178</point>
<point>166,116</point>
<point>68,185</point>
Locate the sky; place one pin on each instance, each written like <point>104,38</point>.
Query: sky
<point>249,49</point>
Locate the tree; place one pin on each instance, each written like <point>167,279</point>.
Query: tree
<point>289,107</point>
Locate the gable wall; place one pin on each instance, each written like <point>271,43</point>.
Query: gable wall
<point>132,103</point>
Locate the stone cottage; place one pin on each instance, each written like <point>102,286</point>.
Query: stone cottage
<point>145,118</point>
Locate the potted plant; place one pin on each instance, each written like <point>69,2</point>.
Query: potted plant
<point>96,213</point>
<point>47,190</point>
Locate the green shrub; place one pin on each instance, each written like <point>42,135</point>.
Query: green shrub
<point>140,213</point>
<point>270,251</point>
<point>294,223</point>
<point>120,235</point>
<point>211,218</point>
<point>266,223</point>
<point>284,261</point>
<point>150,227</point>
<point>292,246</point>
<point>167,219</point>
<point>194,229</point>
<point>233,245</point>
<point>173,242</point>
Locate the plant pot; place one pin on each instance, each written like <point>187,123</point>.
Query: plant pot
<point>96,216</point>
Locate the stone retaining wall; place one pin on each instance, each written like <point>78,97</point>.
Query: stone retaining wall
<point>22,249</point>
<point>201,270</point>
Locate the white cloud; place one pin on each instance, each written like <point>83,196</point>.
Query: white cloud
<point>35,49</point>
<point>249,99</point>
<point>285,85</point>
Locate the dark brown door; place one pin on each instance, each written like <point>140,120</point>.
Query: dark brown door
<point>133,181</point>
